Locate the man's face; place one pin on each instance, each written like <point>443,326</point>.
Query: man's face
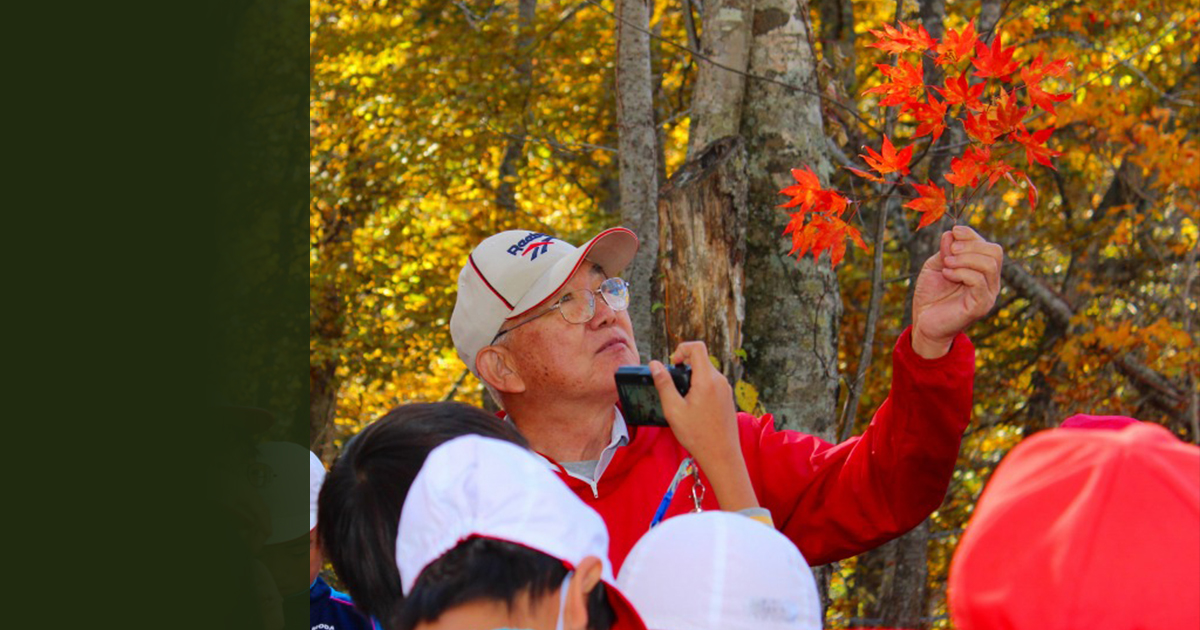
<point>559,358</point>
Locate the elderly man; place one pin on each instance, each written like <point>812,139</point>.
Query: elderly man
<point>543,324</point>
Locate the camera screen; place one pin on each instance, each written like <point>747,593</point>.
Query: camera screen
<point>640,403</point>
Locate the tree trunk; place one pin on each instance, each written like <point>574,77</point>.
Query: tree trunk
<point>514,151</point>
<point>792,308</point>
<point>323,390</point>
<point>836,18</point>
<point>702,233</point>
<point>637,157</point>
<point>718,91</point>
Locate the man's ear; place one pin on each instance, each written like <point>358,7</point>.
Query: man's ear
<point>587,576</point>
<point>497,368</point>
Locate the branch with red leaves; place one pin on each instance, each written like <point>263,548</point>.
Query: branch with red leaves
<point>980,92</point>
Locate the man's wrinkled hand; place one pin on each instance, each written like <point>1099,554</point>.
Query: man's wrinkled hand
<point>957,286</point>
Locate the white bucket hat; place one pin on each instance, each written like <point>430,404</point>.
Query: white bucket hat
<point>285,466</point>
<point>513,272</point>
<point>316,477</point>
<point>720,570</point>
<point>473,486</point>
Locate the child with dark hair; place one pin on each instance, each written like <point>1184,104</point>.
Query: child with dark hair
<point>490,538</point>
<point>364,491</point>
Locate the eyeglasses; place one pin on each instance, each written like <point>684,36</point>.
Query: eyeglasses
<point>579,306</point>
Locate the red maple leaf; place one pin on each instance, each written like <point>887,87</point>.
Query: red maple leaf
<point>931,116</point>
<point>964,171</point>
<point>1006,113</point>
<point>1032,192</point>
<point>1037,70</point>
<point>819,234</point>
<point>1036,150</point>
<point>907,83</point>
<point>931,203</point>
<point>1043,99</point>
<point>891,160</point>
<point>958,91</point>
<point>803,192</point>
<point>903,39</point>
<point>810,196</point>
<point>995,170</point>
<point>995,62</point>
<point>981,128</point>
<point>956,46</point>
<point>1033,74</point>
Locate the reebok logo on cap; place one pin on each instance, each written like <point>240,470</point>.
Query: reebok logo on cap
<point>526,245</point>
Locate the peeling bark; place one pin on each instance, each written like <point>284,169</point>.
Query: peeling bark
<point>792,308</point>
<point>702,233</point>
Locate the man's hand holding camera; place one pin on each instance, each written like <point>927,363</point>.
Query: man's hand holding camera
<point>705,423</point>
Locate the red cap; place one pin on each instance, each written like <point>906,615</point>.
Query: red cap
<point>1084,421</point>
<point>1084,529</point>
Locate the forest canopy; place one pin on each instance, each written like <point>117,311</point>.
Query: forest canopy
<point>435,123</point>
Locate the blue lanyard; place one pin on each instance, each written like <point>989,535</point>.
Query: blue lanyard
<point>686,467</point>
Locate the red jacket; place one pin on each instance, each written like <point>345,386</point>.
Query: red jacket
<point>833,501</point>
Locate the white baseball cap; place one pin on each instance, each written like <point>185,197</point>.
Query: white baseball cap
<point>280,493</point>
<point>513,272</point>
<point>316,477</point>
<point>720,570</point>
<point>473,486</point>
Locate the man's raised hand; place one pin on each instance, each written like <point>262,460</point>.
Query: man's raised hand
<point>957,286</point>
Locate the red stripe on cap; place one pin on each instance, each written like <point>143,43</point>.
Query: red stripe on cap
<point>471,259</point>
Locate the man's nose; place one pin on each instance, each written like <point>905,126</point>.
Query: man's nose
<point>604,314</point>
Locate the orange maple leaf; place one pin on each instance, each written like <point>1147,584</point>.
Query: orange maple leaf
<point>907,83</point>
<point>995,62</point>
<point>865,175</point>
<point>891,160</point>
<point>931,204</point>
<point>903,39</point>
<point>956,46</point>
<point>958,91</point>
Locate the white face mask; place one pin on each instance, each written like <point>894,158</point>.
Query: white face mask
<point>562,600</point>
<point>562,603</point>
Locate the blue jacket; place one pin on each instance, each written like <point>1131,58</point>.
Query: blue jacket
<point>333,610</point>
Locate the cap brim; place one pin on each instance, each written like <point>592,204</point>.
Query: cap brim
<point>613,249</point>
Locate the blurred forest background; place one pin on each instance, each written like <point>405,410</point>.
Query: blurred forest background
<point>435,123</point>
